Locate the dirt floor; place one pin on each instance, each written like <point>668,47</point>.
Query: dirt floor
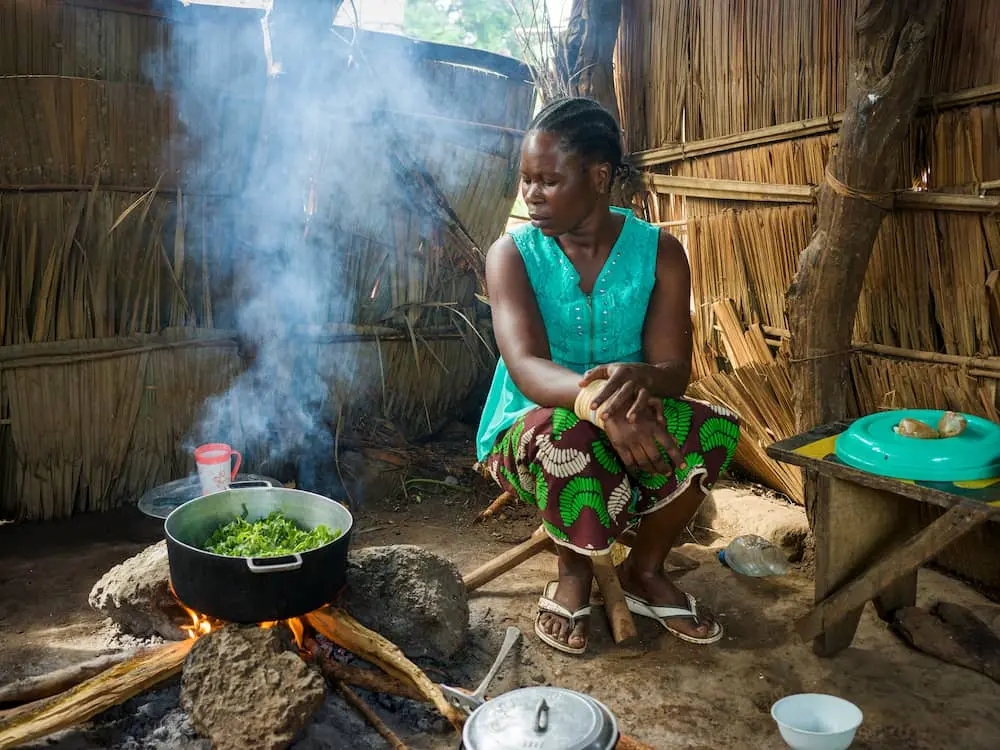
<point>668,693</point>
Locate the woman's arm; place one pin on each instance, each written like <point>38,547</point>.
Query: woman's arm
<point>666,336</point>
<point>667,341</point>
<point>520,332</point>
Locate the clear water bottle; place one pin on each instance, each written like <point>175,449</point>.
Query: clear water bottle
<point>752,555</point>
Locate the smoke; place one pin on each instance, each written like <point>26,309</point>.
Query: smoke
<point>290,128</point>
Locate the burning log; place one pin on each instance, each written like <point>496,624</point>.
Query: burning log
<point>97,694</point>
<point>371,717</point>
<point>339,627</point>
<point>46,685</point>
<point>375,682</point>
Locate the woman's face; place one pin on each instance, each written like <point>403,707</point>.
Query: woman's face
<point>558,188</point>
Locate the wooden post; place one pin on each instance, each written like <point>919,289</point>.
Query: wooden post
<point>888,78</point>
<point>588,51</point>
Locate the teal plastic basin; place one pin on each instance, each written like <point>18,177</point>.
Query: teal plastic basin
<point>870,444</point>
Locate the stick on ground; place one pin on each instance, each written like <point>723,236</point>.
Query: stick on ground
<point>109,688</point>
<point>52,683</point>
<point>339,627</point>
<point>376,682</point>
<point>373,718</point>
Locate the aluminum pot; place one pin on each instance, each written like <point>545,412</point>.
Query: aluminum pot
<point>250,590</point>
<point>542,718</point>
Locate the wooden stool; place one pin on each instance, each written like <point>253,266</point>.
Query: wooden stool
<point>619,617</point>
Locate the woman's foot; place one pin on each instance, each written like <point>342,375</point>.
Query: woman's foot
<point>573,593</point>
<point>657,590</point>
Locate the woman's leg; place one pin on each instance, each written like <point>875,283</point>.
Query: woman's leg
<point>642,571</point>
<point>707,436</point>
<point>551,459</point>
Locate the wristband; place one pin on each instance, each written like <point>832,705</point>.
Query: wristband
<point>581,407</point>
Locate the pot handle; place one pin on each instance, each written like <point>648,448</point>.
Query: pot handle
<point>246,484</point>
<point>260,564</point>
<point>542,717</point>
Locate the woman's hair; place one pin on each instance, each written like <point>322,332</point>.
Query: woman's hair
<point>586,128</point>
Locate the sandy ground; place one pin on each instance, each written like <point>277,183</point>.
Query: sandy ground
<point>665,692</point>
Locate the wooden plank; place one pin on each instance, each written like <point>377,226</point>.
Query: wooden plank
<point>789,131</point>
<point>840,608</point>
<point>537,542</point>
<point>766,192</point>
<point>785,451</point>
<point>852,524</point>
<point>704,187</point>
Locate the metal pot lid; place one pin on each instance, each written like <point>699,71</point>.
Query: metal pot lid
<point>161,500</point>
<point>541,718</point>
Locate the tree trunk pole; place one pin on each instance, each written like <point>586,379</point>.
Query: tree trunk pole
<point>888,78</point>
<point>589,51</point>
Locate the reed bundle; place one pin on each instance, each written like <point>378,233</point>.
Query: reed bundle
<point>759,388</point>
<point>653,36</point>
<point>97,264</point>
<point>740,65</point>
<point>130,43</point>
<point>748,256</point>
<point>882,383</point>
<point>96,423</point>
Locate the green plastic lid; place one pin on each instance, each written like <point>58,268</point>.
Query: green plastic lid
<point>871,444</point>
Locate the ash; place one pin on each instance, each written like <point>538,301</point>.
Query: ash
<point>155,720</point>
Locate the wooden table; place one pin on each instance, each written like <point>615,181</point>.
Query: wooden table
<point>870,540</point>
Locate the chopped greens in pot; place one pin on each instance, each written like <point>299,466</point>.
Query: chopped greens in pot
<point>273,536</point>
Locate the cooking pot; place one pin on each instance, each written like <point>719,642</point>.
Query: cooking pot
<point>251,590</point>
<point>541,718</point>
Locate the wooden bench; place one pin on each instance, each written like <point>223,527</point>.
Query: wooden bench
<point>870,540</point>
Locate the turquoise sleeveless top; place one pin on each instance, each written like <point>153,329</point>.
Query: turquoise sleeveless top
<point>584,331</point>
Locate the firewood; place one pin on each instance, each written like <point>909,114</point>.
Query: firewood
<point>376,682</point>
<point>44,685</point>
<point>97,694</point>
<point>373,718</point>
<point>339,627</point>
<point>502,500</point>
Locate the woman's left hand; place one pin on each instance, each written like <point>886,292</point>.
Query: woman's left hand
<point>627,392</point>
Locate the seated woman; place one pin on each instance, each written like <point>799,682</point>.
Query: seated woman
<point>585,417</point>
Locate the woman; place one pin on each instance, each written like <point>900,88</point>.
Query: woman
<point>591,312</point>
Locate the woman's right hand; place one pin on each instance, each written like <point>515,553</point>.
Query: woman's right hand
<point>637,442</point>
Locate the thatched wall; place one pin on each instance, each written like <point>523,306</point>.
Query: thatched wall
<point>120,218</point>
<point>734,112</point>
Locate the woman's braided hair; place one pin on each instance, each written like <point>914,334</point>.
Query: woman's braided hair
<point>586,128</point>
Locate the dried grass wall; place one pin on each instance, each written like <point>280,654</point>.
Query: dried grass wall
<point>120,277</point>
<point>733,106</point>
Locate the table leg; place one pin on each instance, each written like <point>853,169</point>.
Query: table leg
<point>902,593</point>
<point>852,525</point>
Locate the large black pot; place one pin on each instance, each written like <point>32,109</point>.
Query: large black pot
<point>250,590</point>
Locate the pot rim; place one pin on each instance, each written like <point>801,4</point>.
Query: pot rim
<point>344,533</point>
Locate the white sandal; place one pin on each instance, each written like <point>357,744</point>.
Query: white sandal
<point>546,604</point>
<point>643,608</point>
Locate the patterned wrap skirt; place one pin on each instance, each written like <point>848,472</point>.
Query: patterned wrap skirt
<point>567,467</point>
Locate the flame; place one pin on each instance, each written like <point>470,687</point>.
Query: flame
<point>200,624</point>
<point>294,624</point>
<point>203,624</point>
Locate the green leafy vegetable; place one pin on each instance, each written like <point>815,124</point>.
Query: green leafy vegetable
<point>273,536</point>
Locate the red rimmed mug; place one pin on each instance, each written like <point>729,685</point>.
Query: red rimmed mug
<point>215,466</point>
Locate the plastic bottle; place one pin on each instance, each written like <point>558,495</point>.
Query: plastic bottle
<point>752,555</point>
